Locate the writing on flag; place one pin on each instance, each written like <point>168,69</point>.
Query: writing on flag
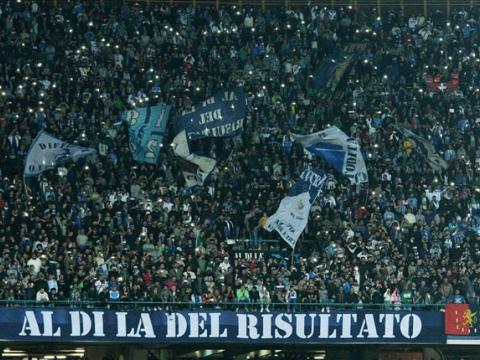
<point>220,116</point>
<point>291,218</point>
<point>46,152</point>
<point>342,152</point>
<point>146,128</point>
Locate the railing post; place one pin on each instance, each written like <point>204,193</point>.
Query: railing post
<point>217,4</point>
<point>402,7</point>
<point>425,8</point>
<point>448,9</point>
<point>194,3</point>
<point>263,5</point>
<point>471,4</point>
<point>379,8</point>
<point>332,4</point>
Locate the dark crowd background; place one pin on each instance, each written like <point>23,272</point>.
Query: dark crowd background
<point>110,229</point>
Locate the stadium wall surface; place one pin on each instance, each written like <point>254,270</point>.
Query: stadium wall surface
<point>221,327</point>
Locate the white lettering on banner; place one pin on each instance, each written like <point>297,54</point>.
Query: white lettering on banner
<point>312,178</point>
<point>209,101</point>
<point>247,326</point>
<point>144,326</point>
<point>347,324</point>
<point>172,331</point>
<point>267,326</point>
<point>196,326</point>
<point>416,326</point>
<point>368,326</point>
<point>301,325</point>
<point>284,326</point>
<point>223,130</point>
<point>210,116</point>
<point>215,326</point>
<point>229,96</point>
<point>30,324</point>
<point>324,327</point>
<point>390,319</point>
<point>81,323</point>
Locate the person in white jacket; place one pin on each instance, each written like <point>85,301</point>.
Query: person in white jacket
<point>264,296</point>
<point>42,295</point>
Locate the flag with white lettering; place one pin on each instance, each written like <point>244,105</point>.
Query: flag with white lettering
<point>339,150</point>
<point>46,152</point>
<point>425,149</point>
<point>219,116</point>
<point>146,127</point>
<point>197,167</point>
<point>291,218</point>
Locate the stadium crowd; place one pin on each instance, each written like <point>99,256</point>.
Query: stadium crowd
<point>110,229</point>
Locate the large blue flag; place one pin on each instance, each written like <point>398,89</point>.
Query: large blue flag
<point>219,116</point>
<point>339,150</point>
<point>146,127</point>
<point>291,217</point>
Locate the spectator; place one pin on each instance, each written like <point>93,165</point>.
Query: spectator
<point>80,229</point>
<point>42,295</point>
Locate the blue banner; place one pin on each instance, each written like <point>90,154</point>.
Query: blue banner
<point>146,127</point>
<point>215,326</point>
<point>220,116</point>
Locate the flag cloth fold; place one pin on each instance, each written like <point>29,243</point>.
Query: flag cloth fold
<point>46,152</point>
<point>146,130</point>
<point>291,218</point>
<point>425,149</point>
<point>200,166</point>
<point>343,153</point>
<point>220,116</point>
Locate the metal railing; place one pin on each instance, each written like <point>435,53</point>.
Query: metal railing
<point>233,306</point>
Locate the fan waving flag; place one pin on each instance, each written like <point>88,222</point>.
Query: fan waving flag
<point>46,152</point>
<point>339,150</point>
<point>291,217</point>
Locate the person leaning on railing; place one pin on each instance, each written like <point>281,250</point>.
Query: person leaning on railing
<point>243,295</point>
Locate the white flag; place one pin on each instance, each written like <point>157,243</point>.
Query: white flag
<point>203,165</point>
<point>339,150</point>
<point>46,152</point>
<point>291,218</point>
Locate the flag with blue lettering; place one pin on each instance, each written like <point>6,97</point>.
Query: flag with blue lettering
<point>291,218</point>
<point>339,150</point>
<point>219,116</point>
<point>146,127</point>
<point>46,152</point>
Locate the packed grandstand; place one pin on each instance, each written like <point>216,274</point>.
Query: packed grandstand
<point>110,228</point>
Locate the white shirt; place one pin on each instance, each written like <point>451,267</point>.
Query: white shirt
<point>42,296</point>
